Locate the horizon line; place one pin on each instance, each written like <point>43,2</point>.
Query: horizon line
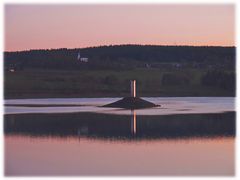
<point>87,47</point>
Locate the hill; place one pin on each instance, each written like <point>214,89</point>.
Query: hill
<point>158,70</point>
<point>122,57</point>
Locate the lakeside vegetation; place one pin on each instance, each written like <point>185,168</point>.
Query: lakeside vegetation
<point>101,83</point>
<point>171,71</point>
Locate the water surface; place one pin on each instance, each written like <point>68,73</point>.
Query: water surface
<point>169,105</point>
<point>185,137</point>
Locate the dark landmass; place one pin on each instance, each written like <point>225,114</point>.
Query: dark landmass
<point>123,57</point>
<point>158,70</point>
<point>131,103</point>
<point>106,126</point>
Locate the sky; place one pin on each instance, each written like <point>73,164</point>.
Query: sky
<point>37,26</point>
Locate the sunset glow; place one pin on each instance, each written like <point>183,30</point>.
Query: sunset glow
<point>75,26</point>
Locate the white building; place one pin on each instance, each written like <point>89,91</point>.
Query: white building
<point>82,59</point>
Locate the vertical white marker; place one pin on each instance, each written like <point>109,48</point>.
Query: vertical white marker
<point>133,88</point>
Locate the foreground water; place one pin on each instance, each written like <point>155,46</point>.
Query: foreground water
<point>185,136</point>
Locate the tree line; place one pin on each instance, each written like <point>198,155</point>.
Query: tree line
<point>119,56</point>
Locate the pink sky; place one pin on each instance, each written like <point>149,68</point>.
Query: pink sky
<point>36,26</point>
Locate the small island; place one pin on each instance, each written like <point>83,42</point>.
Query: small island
<point>132,102</point>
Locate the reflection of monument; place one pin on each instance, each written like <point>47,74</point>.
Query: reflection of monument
<point>133,122</point>
<point>132,102</point>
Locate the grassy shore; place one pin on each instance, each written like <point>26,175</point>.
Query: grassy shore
<point>41,83</point>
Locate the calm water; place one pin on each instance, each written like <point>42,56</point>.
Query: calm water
<point>185,136</point>
<point>169,105</point>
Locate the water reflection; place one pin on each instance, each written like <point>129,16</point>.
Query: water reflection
<point>102,144</point>
<point>133,122</point>
<point>115,127</point>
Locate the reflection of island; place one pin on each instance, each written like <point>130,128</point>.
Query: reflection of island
<point>92,125</point>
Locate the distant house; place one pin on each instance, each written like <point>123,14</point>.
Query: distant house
<point>177,65</point>
<point>82,59</point>
<point>12,70</point>
<point>148,65</point>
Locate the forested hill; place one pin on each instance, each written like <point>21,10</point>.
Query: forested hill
<point>121,56</point>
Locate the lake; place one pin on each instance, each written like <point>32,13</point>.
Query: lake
<point>186,136</point>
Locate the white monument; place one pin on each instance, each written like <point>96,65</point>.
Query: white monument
<point>133,88</point>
